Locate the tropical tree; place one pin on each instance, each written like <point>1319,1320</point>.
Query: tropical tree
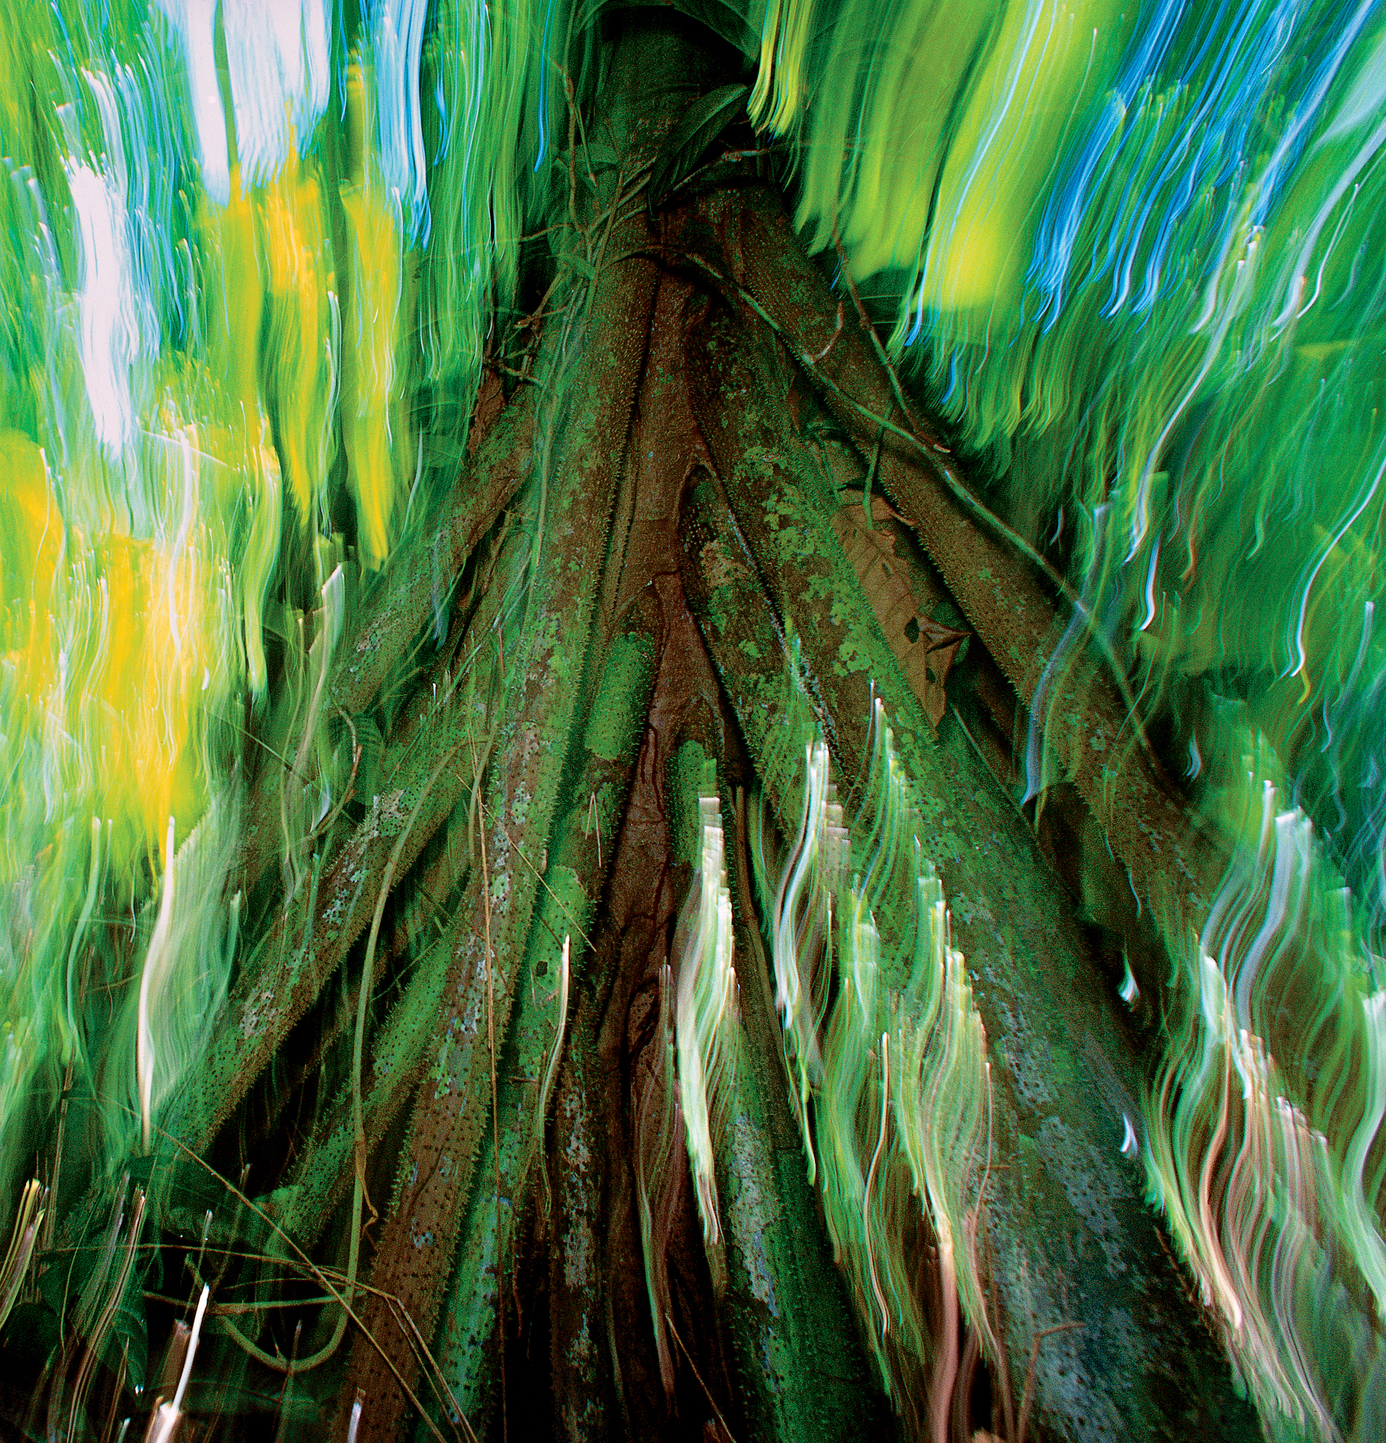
<point>689,720</point>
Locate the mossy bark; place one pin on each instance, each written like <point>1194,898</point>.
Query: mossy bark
<point>673,509</point>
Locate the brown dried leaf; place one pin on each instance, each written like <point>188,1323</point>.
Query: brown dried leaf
<point>490,402</point>
<point>924,648</point>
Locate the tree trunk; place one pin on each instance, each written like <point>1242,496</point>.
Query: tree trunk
<point>448,1062</point>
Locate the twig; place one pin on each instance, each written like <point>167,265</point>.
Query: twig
<point>358,1194</point>
<point>932,452</point>
<point>926,448</point>
<point>712,1402</point>
<point>349,791</point>
<point>870,477</point>
<point>882,354</point>
<point>1028,1397</point>
<point>321,1276</point>
<point>837,331</point>
<point>519,852</point>
<point>726,157</point>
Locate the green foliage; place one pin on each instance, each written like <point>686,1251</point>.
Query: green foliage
<point>416,499</point>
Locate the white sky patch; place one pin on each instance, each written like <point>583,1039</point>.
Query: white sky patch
<point>194,19</point>
<point>109,338</point>
<point>126,165</point>
<point>276,53</point>
<point>104,94</point>
<point>399,30</point>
